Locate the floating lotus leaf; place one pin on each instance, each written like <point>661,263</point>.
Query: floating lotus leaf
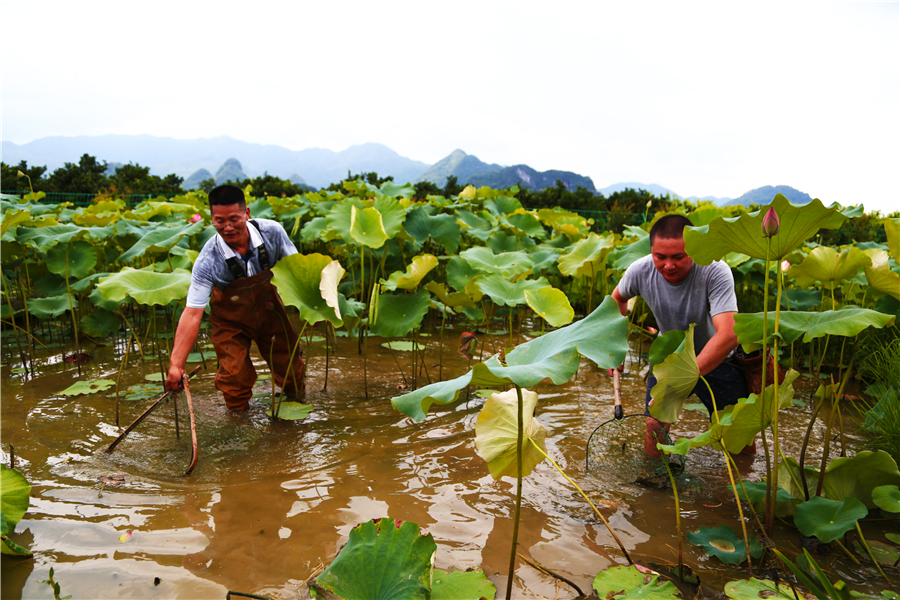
<point>587,256</point>
<point>398,314</point>
<point>826,265</point>
<point>367,227</point>
<point>879,274</point>
<point>601,337</point>
<point>828,519</point>
<point>801,299</point>
<point>146,287</point>
<point>665,345</point>
<point>750,416</point>
<point>14,496</point>
<point>756,492</point>
<point>410,279</point>
<point>744,233</point>
<point>298,278</point>
<point>292,411</point>
<point>74,260</point>
<point>382,560</point>
<point>422,222</point>
<point>44,238</point>
<point>461,585</point>
<point>723,543</point>
<point>676,377</point>
<point>50,308</point>
<point>80,388</point>
<point>632,252</point>
<point>496,433</point>
<point>509,293</point>
<point>100,323</point>
<point>627,583</point>
<point>552,304</point>
<point>756,589</point>
<point>453,300</point>
<point>883,553</point>
<point>331,277</point>
<point>403,346</point>
<point>887,498</point>
<point>847,321</point>
<point>161,239</point>
<point>507,264</point>
<point>858,476</point>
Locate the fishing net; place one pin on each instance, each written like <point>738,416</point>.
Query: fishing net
<point>623,452</point>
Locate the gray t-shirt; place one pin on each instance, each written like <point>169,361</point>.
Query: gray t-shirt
<point>705,292</point>
<point>211,270</point>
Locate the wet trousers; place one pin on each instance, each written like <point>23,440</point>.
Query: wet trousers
<point>250,310</point>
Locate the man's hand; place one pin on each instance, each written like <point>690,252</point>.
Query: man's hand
<point>174,381</point>
<point>621,369</point>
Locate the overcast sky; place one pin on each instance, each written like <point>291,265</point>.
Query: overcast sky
<point>704,98</point>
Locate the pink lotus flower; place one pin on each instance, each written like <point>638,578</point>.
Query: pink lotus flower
<point>196,218</point>
<point>770,223</point>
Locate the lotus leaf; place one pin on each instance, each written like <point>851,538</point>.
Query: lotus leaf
<point>398,314</point>
<point>828,519</point>
<point>885,554</point>
<point>545,262</point>
<point>756,492</point>
<point>801,299</point>
<point>887,498</point>
<point>496,433</point>
<point>7,546</point>
<point>676,377</point>
<point>422,223</point>
<point>97,299</point>
<point>454,300</point>
<point>389,188</point>
<point>52,285</point>
<point>665,345</point>
<point>507,264</point>
<point>460,273</point>
<point>146,287</point>
<point>632,252</point>
<point>461,585</point>
<point>744,233</point>
<point>755,589</point>
<point>44,238</point>
<point>154,208</point>
<point>161,239</point>
<point>499,242</point>
<point>627,583</point>
<point>892,230</point>
<point>847,321</point>
<point>81,388</point>
<point>141,391</point>
<point>587,256</point>
<point>499,204</point>
<point>723,543</point>
<point>410,279</point>
<point>367,227</point>
<point>384,561</point>
<point>477,226</point>
<point>292,411</point>
<point>14,496</point>
<point>314,229</point>
<point>879,274</point>
<point>50,308</point>
<point>299,278</point>
<point>509,293</point>
<point>858,476</point>
<point>750,416</point>
<point>552,304</point>
<point>392,214</point>
<point>74,260</point>
<point>525,223</point>
<point>100,323</point>
<point>13,218</point>
<point>826,265</point>
<point>328,284</point>
<point>402,346</point>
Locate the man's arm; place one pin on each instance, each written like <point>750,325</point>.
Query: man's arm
<point>621,300</point>
<point>185,336</point>
<point>720,345</point>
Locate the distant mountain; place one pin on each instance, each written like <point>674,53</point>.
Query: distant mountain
<point>193,182</point>
<point>297,180</point>
<point>527,177</point>
<point>764,195</point>
<point>720,201</point>
<point>318,166</point>
<point>653,188</point>
<point>459,164</point>
<point>230,171</point>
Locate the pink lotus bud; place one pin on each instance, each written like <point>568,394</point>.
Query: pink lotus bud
<point>196,218</point>
<point>770,223</point>
<point>785,265</point>
<point>653,330</point>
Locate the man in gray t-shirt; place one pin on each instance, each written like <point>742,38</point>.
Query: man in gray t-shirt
<point>680,293</point>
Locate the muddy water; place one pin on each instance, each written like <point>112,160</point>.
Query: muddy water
<point>270,503</point>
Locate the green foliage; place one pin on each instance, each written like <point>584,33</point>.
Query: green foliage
<point>827,519</point>
<point>496,433</point>
<point>628,583</point>
<point>723,543</point>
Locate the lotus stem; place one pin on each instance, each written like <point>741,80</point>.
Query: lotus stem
<point>847,552</point>
<point>121,368</point>
<point>515,537</point>
<point>677,518</point>
<point>71,305</point>
<point>272,371</point>
<point>869,550</point>
<point>399,368</point>
<point>825,450</point>
<point>16,327</point>
<point>327,344</point>
<point>136,339</point>
<point>802,463</point>
<point>441,348</point>
<point>27,319</point>
<point>775,401</point>
<point>290,367</point>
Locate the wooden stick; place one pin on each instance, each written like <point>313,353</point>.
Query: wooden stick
<point>144,414</point>
<point>190,403</point>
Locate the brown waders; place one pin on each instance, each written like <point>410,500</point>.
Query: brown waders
<point>248,309</point>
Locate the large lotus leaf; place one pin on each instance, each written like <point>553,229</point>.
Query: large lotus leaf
<point>892,230</point>
<point>421,223</point>
<point>392,214</point>
<point>507,264</point>
<point>339,216</point>
<point>367,227</point>
<point>406,190</point>
<point>627,583</point>
<point>97,299</point>
<point>632,252</point>
<point>545,262</point>
<point>460,273</point>
<point>751,416</point>
<point>756,589</point>
<point>13,218</point>
<point>154,208</point>
<point>509,293</point>
<point>676,377</point>
<point>297,278</point>
<point>81,388</point>
<point>744,233</point>
<point>416,403</point>
<point>587,256</point>
<point>50,308</point>
<point>499,204</point>
<point>161,239</point>
<point>146,287</point>
<point>73,260</point>
<point>44,238</point>
<point>887,498</point>
<point>313,229</point>
<point>14,495</point>
<point>713,436</point>
<point>826,265</point>
<point>461,585</point>
<point>552,304</point>
<point>857,477</point>
<point>665,345</point>
<point>847,321</point>
<point>382,561</point>
<point>496,433</point>
<point>801,299</point>
<point>398,314</point>
<point>409,279</point>
<point>350,310</point>
<point>879,273</point>
<point>525,223</point>
<point>828,519</point>
<point>52,285</point>
<point>328,286</point>
<point>479,227</point>
<point>100,323</point>
<point>454,300</point>
<point>723,543</point>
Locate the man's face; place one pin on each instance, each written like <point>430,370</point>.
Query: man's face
<point>231,222</point>
<point>670,259</point>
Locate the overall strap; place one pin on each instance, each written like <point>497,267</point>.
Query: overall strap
<point>235,266</point>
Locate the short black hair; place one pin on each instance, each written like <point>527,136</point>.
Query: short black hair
<point>226,195</point>
<point>669,227</point>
